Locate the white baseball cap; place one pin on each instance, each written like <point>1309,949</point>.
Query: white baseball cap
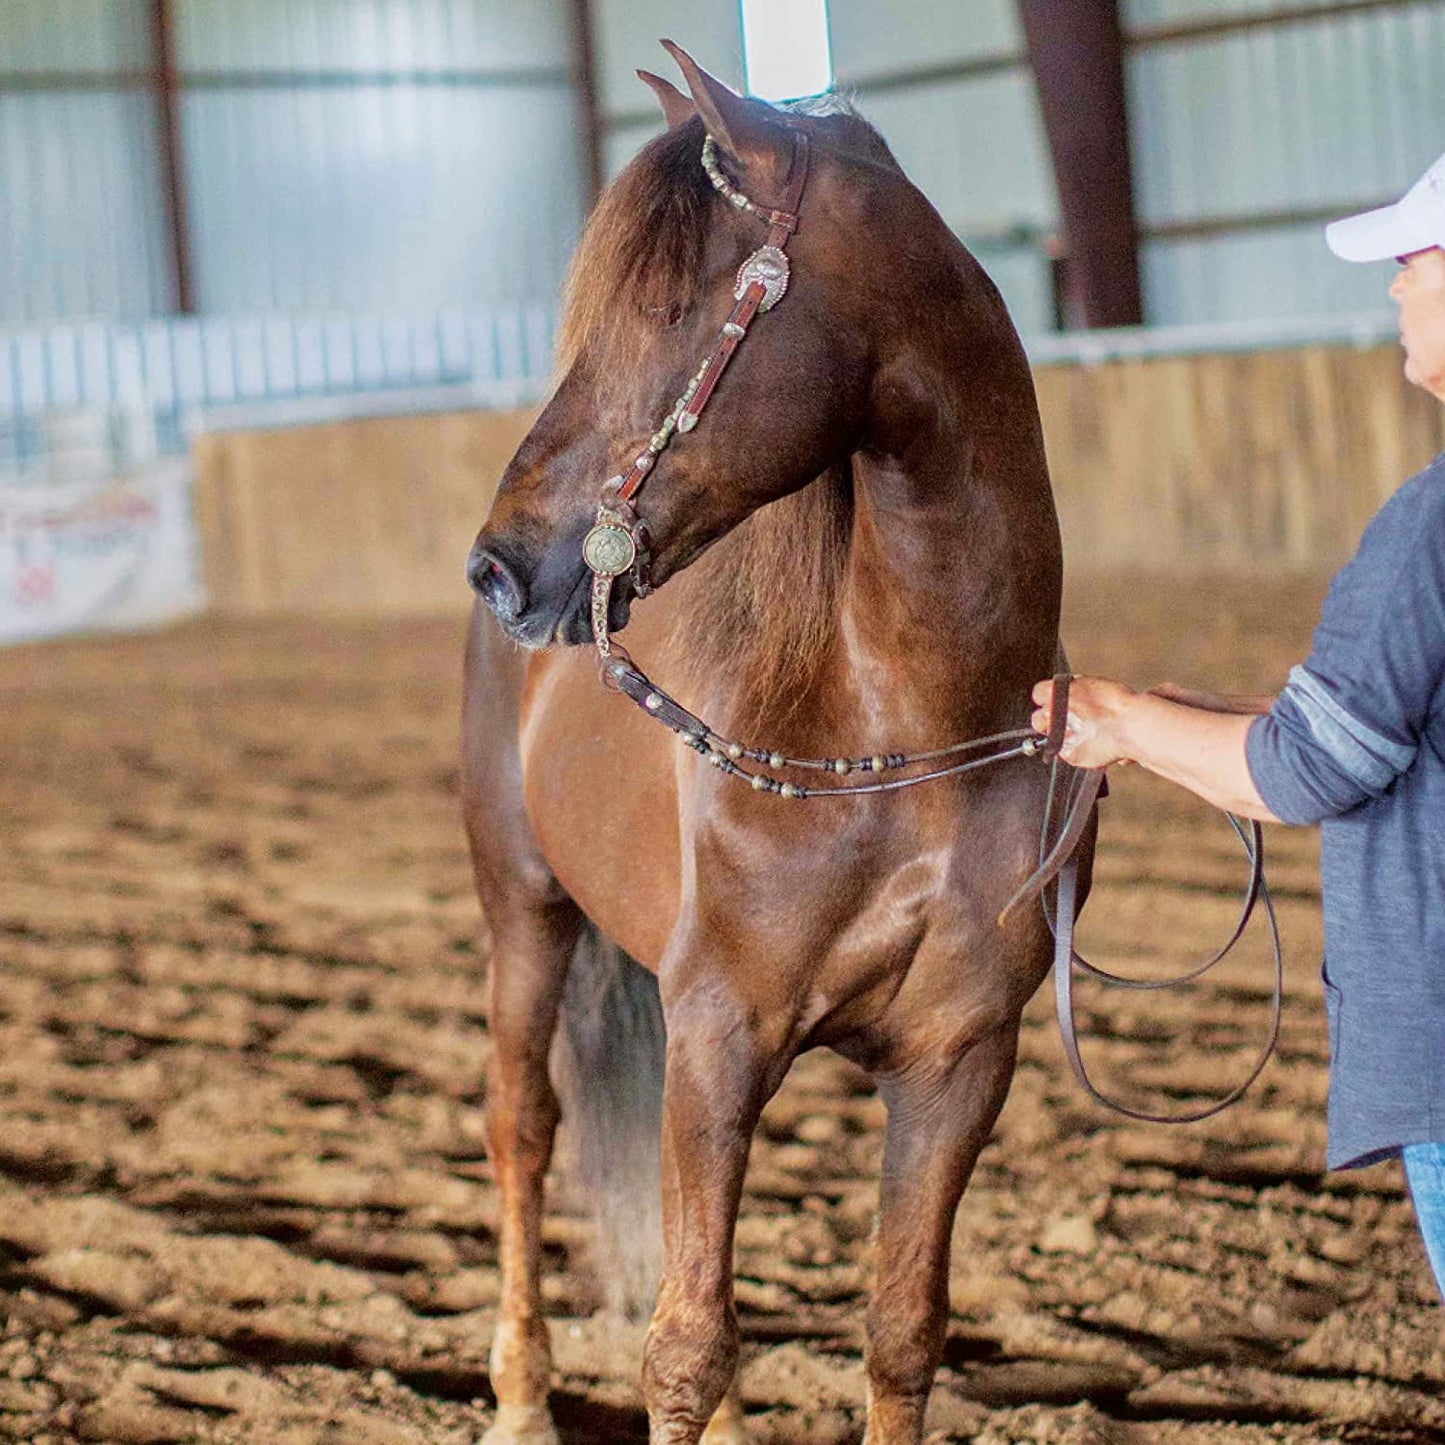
<point>1415,222</point>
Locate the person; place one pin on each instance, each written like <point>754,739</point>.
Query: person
<point>1355,741</point>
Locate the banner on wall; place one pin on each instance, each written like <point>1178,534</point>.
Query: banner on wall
<point>96,555</point>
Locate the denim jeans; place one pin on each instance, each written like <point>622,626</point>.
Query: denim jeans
<point>1425,1169</point>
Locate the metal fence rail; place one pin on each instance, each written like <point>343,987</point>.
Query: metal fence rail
<point>101,396</point>
<point>98,398</point>
<point>1267,333</point>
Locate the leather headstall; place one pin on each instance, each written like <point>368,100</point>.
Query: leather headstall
<point>619,543</point>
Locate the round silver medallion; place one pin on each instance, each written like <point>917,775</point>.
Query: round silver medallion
<point>769,267</point>
<point>609,550</point>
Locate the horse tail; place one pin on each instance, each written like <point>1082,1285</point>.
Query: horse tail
<point>609,1066</point>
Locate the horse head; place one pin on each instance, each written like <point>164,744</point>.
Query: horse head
<point>649,291</point>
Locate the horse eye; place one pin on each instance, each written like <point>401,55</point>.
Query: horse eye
<point>674,313</point>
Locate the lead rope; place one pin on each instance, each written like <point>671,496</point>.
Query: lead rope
<point>1061,860</point>
<point>1066,959</point>
<point>619,544</point>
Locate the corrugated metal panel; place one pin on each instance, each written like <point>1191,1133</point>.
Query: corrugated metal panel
<point>975,148</point>
<point>371,35</point>
<point>1320,113</point>
<point>153,382</point>
<point>627,32</point>
<point>308,187</point>
<point>870,39</point>
<point>80,228</point>
<point>89,36</point>
<point>80,231</point>
<point>623,142</point>
<point>406,196</point>
<point>1287,271</point>
<point>410,193</point>
<point>1323,115</point>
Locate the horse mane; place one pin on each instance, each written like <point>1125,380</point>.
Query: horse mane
<point>763,604</point>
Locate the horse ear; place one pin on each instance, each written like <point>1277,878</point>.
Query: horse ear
<point>676,107</point>
<point>742,127</point>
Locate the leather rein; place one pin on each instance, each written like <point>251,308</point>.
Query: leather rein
<point>619,544</point>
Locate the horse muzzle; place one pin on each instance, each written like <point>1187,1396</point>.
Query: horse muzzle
<point>542,607</point>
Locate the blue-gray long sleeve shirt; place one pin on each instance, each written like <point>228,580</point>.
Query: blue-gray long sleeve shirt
<point>1356,742</point>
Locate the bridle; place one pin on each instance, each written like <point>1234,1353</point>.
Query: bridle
<point>619,544</point>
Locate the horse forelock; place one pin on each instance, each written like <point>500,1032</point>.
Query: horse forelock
<point>642,251</point>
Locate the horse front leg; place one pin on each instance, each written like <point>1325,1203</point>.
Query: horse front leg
<point>720,1073</point>
<point>529,967</point>
<point>940,1112</point>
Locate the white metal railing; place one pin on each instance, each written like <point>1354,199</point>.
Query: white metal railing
<point>100,398</point>
<point>104,396</point>
<point>1088,348</point>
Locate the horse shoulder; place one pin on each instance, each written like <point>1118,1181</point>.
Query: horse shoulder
<point>599,789</point>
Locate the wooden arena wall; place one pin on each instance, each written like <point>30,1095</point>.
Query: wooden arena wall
<point>350,517</point>
<point>1266,459</point>
<point>1262,459</point>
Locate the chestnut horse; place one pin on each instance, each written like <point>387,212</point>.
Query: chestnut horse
<point>856,548</point>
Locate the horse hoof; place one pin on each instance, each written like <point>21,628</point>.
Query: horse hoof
<point>522,1425</point>
<point>724,1432</point>
<point>725,1428</point>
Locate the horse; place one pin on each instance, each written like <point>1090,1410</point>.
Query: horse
<point>857,543</point>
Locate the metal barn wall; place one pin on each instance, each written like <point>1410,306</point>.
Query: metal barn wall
<point>1170,12</point>
<point>379,154</point>
<point>950,90</point>
<point>81,218</point>
<point>1245,141</point>
<point>405,155</point>
<point>354,153</point>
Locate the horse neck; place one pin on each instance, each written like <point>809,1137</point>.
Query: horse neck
<point>951,597</point>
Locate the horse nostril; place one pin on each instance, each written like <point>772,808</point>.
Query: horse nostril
<point>496,584</point>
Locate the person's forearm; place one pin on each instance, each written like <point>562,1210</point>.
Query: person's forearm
<point>1254,704</point>
<point>1202,751</point>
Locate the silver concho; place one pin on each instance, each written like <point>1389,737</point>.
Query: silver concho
<point>609,550</point>
<point>768,266</point>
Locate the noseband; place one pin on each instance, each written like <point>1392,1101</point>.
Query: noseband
<point>619,544</point>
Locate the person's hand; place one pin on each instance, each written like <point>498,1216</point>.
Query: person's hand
<point>1094,731</point>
